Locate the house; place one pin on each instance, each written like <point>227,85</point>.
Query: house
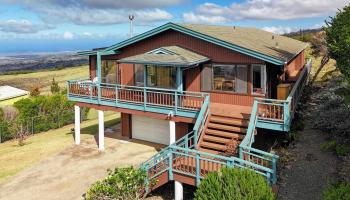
<point>204,91</point>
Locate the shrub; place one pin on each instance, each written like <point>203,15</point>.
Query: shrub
<point>339,191</point>
<point>121,184</point>
<point>54,87</point>
<point>234,183</point>
<point>329,145</point>
<point>35,91</point>
<point>341,150</point>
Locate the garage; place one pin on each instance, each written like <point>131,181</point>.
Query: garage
<point>149,129</point>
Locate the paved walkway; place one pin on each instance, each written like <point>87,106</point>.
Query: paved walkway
<point>69,174</point>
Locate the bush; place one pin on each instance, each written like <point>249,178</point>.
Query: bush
<point>329,145</point>
<point>234,183</point>
<point>35,91</point>
<point>341,150</point>
<point>42,113</point>
<point>121,184</point>
<point>54,87</point>
<point>340,191</point>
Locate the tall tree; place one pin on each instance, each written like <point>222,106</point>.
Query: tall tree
<point>338,39</point>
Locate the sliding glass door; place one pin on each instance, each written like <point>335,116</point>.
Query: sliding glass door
<point>259,79</point>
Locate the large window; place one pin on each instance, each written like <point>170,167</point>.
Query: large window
<point>157,76</point>
<point>229,78</point>
<point>109,71</point>
<point>161,76</point>
<point>259,79</point>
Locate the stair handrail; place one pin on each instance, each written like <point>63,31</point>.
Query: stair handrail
<point>201,119</point>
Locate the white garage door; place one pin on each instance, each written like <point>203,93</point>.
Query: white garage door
<point>149,129</point>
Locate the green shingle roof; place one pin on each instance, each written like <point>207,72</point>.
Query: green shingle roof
<point>264,42</point>
<point>169,55</point>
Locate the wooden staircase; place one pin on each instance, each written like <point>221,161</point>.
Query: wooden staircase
<point>223,134</point>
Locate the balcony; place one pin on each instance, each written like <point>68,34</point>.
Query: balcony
<point>158,100</point>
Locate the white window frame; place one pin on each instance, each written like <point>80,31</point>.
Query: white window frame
<point>263,79</point>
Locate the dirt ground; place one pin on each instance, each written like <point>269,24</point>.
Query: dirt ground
<point>69,174</point>
<point>309,172</point>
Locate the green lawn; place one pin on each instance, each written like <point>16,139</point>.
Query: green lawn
<point>14,158</point>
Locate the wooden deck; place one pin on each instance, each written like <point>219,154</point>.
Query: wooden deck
<point>236,111</point>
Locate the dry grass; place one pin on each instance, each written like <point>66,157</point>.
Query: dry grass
<point>328,71</point>
<point>14,158</point>
<point>43,79</point>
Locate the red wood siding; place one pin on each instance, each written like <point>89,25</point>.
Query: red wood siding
<point>193,79</point>
<point>181,129</point>
<point>92,64</point>
<point>126,125</point>
<point>214,52</point>
<point>126,74</point>
<point>293,67</point>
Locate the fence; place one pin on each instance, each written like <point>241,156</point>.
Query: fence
<point>40,123</point>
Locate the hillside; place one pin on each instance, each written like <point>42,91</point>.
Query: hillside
<point>43,79</point>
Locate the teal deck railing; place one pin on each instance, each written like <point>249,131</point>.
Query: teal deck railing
<point>272,114</point>
<point>278,114</point>
<point>159,100</point>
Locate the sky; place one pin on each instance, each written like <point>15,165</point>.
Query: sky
<point>71,25</point>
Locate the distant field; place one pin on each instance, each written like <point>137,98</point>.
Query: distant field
<point>43,79</point>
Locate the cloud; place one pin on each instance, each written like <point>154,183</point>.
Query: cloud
<point>21,26</point>
<point>264,10</point>
<point>198,19</point>
<point>102,12</point>
<point>68,35</point>
<point>280,29</point>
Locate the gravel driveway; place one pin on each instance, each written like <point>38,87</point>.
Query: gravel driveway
<point>69,174</point>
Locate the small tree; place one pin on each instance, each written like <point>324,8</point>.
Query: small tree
<point>54,87</point>
<point>234,183</point>
<point>338,39</point>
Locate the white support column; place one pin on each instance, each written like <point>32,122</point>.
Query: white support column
<point>179,191</point>
<point>101,131</point>
<point>172,132</point>
<point>77,125</point>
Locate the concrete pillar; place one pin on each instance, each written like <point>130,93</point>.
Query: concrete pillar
<point>77,125</point>
<point>172,132</point>
<point>179,191</point>
<point>101,131</point>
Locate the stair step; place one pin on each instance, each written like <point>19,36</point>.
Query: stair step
<point>216,139</point>
<point>229,121</point>
<point>225,134</point>
<point>209,151</point>
<point>236,116</point>
<point>227,128</point>
<point>214,146</point>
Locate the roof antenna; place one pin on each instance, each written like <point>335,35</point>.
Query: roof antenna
<point>131,18</point>
<point>234,27</point>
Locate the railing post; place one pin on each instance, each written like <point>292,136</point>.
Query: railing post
<point>176,102</point>
<point>198,169</point>
<point>274,169</point>
<point>144,98</point>
<point>90,90</point>
<point>68,83</point>
<point>116,94</point>
<point>171,176</point>
<point>286,115</point>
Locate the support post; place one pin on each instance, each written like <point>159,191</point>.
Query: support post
<point>179,190</point>
<point>172,132</point>
<point>101,131</point>
<point>76,125</point>
<point>99,76</point>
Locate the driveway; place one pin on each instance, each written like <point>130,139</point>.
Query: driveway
<point>69,174</point>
